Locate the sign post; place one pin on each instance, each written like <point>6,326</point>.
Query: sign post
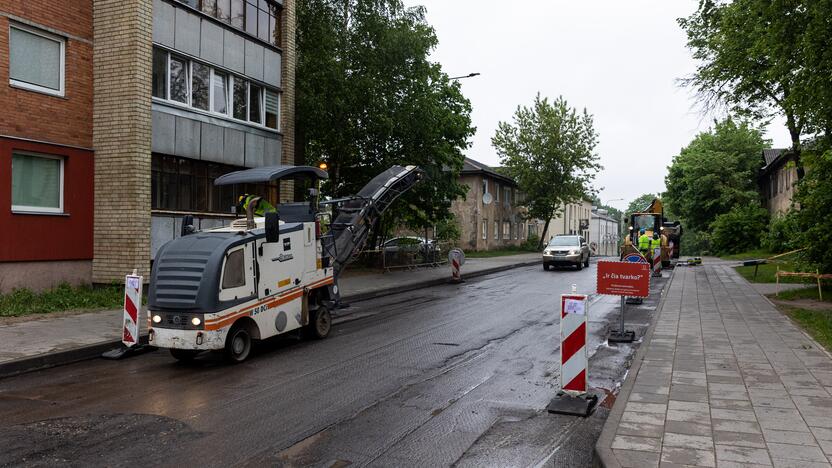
<point>625,279</point>
<point>573,397</point>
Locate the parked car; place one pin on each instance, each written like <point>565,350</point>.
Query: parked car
<point>566,250</point>
<point>411,244</point>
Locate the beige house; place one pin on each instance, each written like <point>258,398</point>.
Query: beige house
<point>777,180</point>
<point>491,216</point>
<point>572,219</point>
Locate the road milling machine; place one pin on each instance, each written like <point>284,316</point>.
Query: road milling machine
<point>263,276</point>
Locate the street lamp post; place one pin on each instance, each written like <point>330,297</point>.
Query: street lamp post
<point>470,75</point>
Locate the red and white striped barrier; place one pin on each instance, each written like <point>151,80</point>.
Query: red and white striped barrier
<point>657,261</point>
<point>456,258</point>
<point>132,305</point>
<point>573,336</point>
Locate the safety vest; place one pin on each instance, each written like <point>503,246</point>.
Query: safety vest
<point>655,243</point>
<point>262,206</point>
<point>644,242</point>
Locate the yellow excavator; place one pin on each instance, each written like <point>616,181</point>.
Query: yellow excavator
<point>653,221</point>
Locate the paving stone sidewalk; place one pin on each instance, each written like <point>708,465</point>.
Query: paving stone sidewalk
<point>726,380</point>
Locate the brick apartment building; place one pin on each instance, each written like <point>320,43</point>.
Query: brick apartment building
<point>117,117</point>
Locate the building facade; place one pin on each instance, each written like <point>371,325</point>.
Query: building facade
<point>572,219</point>
<point>777,180</point>
<point>46,141</point>
<point>604,234</point>
<point>170,94</point>
<point>491,216</point>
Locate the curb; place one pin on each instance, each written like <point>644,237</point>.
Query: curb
<point>603,447</point>
<point>92,351</point>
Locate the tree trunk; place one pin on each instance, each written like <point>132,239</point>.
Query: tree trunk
<point>542,234</point>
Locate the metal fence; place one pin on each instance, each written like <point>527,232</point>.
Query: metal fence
<point>405,256</point>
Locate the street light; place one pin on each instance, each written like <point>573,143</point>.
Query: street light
<point>470,75</point>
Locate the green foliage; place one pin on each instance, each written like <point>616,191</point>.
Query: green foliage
<point>814,194</point>
<point>810,292</point>
<point>612,212</point>
<point>369,97</point>
<point>714,173</point>
<point>64,297</point>
<point>783,233</point>
<point>448,230</point>
<point>641,203</point>
<point>817,322</point>
<point>531,243</point>
<point>739,230</point>
<point>695,242</point>
<point>750,56</point>
<point>549,149</point>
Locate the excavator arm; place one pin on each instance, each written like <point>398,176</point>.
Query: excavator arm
<point>357,215</point>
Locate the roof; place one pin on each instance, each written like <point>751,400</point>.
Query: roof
<point>773,156</point>
<point>268,174</point>
<point>596,214</point>
<point>470,167</point>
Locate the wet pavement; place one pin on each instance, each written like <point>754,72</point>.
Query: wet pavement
<point>451,375</point>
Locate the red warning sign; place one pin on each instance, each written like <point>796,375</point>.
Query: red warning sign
<point>624,279</point>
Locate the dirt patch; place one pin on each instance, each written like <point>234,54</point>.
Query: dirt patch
<point>808,304</point>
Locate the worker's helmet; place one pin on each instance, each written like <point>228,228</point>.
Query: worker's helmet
<point>642,231</point>
<point>241,203</point>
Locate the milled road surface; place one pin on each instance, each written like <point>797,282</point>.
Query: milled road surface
<point>452,375</point>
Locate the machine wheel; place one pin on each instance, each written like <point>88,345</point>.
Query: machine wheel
<point>320,323</point>
<point>580,265</point>
<point>238,344</point>
<point>586,263</point>
<point>184,355</point>
<point>546,266</point>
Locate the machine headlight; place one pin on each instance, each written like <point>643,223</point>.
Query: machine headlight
<point>196,321</point>
<point>157,318</point>
<point>573,252</point>
<point>547,252</point>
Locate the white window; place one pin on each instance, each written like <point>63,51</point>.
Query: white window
<point>496,229</point>
<point>240,99</point>
<point>37,183</point>
<point>484,186</point>
<point>219,92</point>
<point>36,60</point>
<point>179,80</point>
<point>484,229</point>
<point>255,103</point>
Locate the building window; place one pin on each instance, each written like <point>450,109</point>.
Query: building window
<point>484,229</point>
<point>183,184</point>
<point>36,60</point>
<point>496,230</point>
<point>179,80</point>
<point>255,109</point>
<point>272,109</point>
<point>219,91</point>
<point>209,89</point>
<point>256,17</point>
<point>484,186</point>
<point>37,183</point>
<point>506,230</point>
<point>200,90</point>
<point>160,73</point>
<point>507,195</point>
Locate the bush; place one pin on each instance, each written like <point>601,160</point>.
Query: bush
<point>739,230</point>
<point>695,243</point>
<point>531,243</point>
<point>448,230</point>
<point>783,233</point>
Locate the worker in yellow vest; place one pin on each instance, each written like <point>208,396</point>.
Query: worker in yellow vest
<point>644,243</point>
<point>260,207</point>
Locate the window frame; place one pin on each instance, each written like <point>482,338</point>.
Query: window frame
<point>61,92</point>
<point>40,209</point>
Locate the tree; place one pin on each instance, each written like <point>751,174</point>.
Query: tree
<point>549,149</point>
<point>368,97</point>
<point>641,203</point>
<point>750,55</point>
<point>739,230</point>
<point>612,211</point>
<point>814,194</point>
<point>714,173</point>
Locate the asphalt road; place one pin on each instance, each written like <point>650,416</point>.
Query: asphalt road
<point>452,375</point>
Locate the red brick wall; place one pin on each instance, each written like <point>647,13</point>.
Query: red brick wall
<point>29,114</point>
<point>27,237</point>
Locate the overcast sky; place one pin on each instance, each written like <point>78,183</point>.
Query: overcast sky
<point>618,59</point>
